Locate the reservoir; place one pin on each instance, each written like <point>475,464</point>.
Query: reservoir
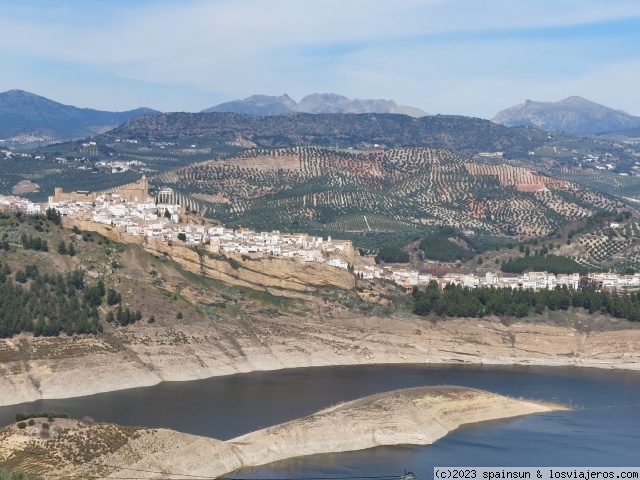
<point>603,429</point>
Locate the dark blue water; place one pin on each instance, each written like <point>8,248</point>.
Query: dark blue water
<point>603,429</point>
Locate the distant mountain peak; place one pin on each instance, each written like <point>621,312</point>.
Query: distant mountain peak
<point>265,105</point>
<point>575,115</point>
<point>20,92</point>
<point>28,120</point>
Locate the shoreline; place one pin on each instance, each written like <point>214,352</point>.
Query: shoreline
<point>411,416</point>
<point>146,358</point>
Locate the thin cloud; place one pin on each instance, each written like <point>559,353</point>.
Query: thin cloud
<point>423,53</point>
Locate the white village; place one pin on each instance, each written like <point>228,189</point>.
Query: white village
<point>141,217</point>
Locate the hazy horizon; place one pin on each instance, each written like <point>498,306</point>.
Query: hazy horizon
<point>464,57</point>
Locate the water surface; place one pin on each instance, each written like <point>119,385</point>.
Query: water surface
<point>603,429</point>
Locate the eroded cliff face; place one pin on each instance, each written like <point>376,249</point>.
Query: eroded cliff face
<point>140,355</point>
<point>112,233</point>
<point>278,276</point>
<point>282,277</point>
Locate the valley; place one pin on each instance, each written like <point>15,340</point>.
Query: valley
<point>210,293</point>
<point>317,240</point>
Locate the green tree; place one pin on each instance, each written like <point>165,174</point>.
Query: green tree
<point>113,297</point>
<point>392,255</point>
<point>522,310</point>
<point>21,276</point>
<point>62,248</point>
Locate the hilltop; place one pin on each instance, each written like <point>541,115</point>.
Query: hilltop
<point>159,143</point>
<point>29,121</point>
<point>314,103</point>
<point>573,115</point>
<point>464,135</point>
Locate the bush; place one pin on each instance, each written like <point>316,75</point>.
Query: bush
<point>26,416</point>
<point>45,426</point>
<point>21,277</point>
<point>32,422</point>
<point>88,420</point>
<point>392,255</point>
<point>179,316</point>
<point>22,425</point>
<point>437,246</point>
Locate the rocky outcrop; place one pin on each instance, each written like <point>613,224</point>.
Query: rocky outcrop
<point>574,115</point>
<point>280,277</point>
<point>112,233</point>
<point>332,103</point>
<point>262,105</point>
<point>417,416</point>
<point>266,105</point>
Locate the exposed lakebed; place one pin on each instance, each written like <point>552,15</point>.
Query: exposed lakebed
<point>603,429</point>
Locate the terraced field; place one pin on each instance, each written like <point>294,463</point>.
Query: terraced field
<point>392,190</point>
<point>47,136</point>
<point>604,247</point>
<point>619,185</point>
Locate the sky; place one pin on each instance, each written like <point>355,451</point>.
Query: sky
<point>462,57</point>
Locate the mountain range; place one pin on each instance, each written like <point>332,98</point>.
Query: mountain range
<point>265,105</point>
<point>28,120</point>
<point>574,115</point>
<point>464,135</point>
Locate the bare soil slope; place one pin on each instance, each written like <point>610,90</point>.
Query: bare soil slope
<point>417,416</point>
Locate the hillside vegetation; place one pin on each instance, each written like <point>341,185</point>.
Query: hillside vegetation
<point>363,193</point>
<point>458,301</point>
<point>464,135</point>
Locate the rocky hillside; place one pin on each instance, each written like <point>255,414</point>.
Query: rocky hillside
<point>465,135</point>
<point>314,103</point>
<point>261,105</point>
<point>402,189</point>
<point>28,120</point>
<point>573,115</point>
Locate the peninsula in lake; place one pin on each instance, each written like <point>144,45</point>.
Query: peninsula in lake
<point>417,416</point>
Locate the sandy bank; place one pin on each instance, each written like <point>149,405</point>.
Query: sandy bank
<point>35,368</point>
<point>417,416</point>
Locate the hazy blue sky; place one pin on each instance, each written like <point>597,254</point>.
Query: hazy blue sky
<point>468,57</point>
